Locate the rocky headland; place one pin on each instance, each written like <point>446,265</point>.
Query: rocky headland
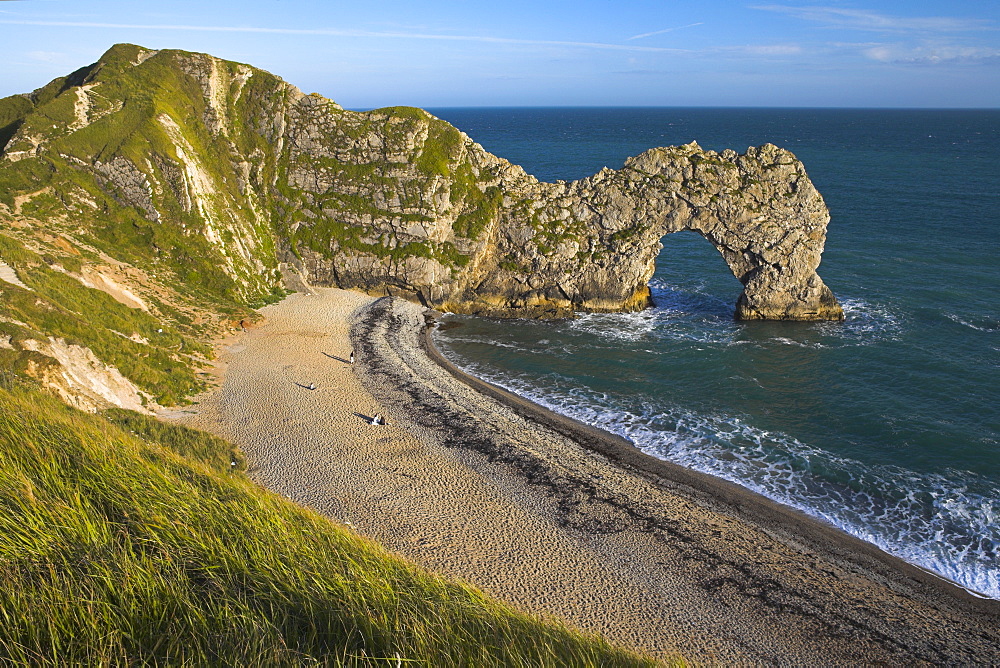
<point>231,174</point>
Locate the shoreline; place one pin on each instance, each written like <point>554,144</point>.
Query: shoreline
<point>558,518</point>
<point>748,505</point>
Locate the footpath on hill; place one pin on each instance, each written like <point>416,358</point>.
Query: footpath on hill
<point>556,518</point>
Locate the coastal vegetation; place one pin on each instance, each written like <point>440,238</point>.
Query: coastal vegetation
<point>124,540</point>
<point>157,354</point>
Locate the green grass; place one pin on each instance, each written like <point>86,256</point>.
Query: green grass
<point>132,99</point>
<point>60,306</point>
<point>13,110</point>
<point>126,541</point>
<point>440,149</point>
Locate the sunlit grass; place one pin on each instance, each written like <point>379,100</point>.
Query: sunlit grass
<point>128,541</point>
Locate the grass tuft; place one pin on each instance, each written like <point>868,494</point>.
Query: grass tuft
<point>128,541</point>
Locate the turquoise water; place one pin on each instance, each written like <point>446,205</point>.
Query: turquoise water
<point>886,425</point>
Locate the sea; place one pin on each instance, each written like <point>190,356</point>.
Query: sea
<point>886,425</point>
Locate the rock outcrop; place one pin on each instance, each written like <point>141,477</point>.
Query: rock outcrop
<point>79,378</point>
<point>250,172</point>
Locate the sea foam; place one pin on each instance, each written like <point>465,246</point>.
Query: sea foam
<point>945,522</point>
<point>980,324</point>
<point>687,314</point>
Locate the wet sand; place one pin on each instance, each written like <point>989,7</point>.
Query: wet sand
<point>556,517</point>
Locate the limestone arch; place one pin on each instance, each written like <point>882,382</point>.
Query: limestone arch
<point>759,210</point>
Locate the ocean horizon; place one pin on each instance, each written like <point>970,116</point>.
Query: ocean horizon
<point>886,425</point>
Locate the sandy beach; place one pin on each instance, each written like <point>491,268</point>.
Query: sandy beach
<point>555,517</point>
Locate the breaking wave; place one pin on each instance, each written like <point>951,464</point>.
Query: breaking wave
<point>948,522</point>
<point>689,314</point>
<point>980,324</point>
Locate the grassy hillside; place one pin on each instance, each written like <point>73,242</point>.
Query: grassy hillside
<point>179,162</point>
<point>159,353</point>
<point>124,541</point>
<point>137,222</point>
<point>123,156</point>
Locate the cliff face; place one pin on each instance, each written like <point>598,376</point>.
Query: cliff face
<point>219,172</point>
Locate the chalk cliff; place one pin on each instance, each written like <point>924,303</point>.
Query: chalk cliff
<point>222,173</point>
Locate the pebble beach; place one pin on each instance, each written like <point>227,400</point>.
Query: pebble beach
<point>555,517</point>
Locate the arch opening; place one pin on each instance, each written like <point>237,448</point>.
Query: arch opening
<point>691,275</point>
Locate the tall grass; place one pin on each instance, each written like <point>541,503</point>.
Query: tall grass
<point>125,541</point>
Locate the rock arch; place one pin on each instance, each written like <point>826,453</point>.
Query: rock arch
<point>591,244</point>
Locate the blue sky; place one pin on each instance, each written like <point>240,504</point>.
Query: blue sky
<point>911,53</point>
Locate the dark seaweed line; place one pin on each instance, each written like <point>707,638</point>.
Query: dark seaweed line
<point>381,330</point>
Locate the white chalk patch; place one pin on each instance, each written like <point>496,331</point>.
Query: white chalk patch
<point>8,274</point>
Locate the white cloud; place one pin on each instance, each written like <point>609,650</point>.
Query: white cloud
<point>349,33</point>
<point>932,55</point>
<point>665,30</point>
<point>859,19</point>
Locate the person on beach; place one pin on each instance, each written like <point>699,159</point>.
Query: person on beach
<point>352,357</point>
<point>312,386</point>
<point>378,419</point>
